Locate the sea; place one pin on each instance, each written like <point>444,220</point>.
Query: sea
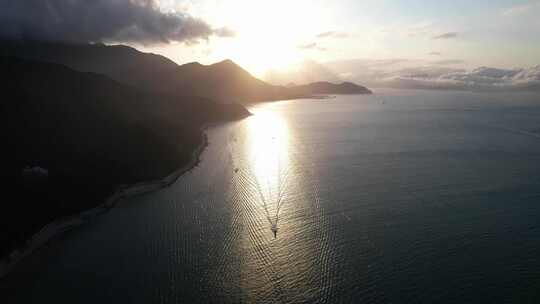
<point>403,196</point>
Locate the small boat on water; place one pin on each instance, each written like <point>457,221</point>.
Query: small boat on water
<point>274,230</point>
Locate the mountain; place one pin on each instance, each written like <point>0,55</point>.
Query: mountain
<point>79,120</point>
<point>121,63</point>
<point>228,82</point>
<point>223,82</point>
<point>330,88</point>
<point>89,134</point>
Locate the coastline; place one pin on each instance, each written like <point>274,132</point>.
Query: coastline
<point>64,224</point>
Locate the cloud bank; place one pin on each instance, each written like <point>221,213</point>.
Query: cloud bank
<point>483,78</point>
<point>417,74</point>
<point>139,21</point>
<point>435,76</point>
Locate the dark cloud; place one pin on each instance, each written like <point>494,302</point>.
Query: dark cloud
<point>449,35</point>
<point>139,21</point>
<point>332,34</point>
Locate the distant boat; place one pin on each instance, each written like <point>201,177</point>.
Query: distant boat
<point>274,230</point>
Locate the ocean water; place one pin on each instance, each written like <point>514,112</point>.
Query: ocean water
<point>400,197</point>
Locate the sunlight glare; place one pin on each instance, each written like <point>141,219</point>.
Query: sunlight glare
<point>269,154</point>
<point>269,32</point>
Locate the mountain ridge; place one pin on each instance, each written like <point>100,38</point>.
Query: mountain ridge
<point>224,81</point>
<point>324,87</point>
<point>94,116</point>
<point>90,134</point>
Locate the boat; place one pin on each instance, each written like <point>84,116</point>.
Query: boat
<point>274,230</point>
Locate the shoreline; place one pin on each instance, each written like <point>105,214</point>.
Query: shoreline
<point>64,224</point>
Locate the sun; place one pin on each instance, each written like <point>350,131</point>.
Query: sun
<point>259,56</point>
<point>268,32</point>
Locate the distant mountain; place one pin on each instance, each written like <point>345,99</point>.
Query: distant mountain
<point>121,63</point>
<point>224,81</point>
<point>227,81</point>
<point>91,117</point>
<point>330,88</point>
<point>90,134</point>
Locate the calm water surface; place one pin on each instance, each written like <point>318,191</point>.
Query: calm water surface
<point>402,197</point>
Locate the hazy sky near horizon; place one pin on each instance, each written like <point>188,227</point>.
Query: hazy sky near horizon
<point>276,34</point>
<point>415,43</point>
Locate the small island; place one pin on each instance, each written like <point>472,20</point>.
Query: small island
<point>331,88</point>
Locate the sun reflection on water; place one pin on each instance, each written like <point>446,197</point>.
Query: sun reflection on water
<point>268,154</point>
<point>283,237</point>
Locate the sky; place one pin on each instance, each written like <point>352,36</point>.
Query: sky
<point>458,44</point>
<point>273,35</point>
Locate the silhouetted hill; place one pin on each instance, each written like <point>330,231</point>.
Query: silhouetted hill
<point>330,88</point>
<point>222,82</point>
<point>91,134</point>
<point>228,82</point>
<point>121,63</point>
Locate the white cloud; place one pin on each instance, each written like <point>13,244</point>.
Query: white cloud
<point>522,9</point>
<point>415,74</point>
<point>483,78</point>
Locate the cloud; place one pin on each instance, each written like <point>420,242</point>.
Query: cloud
<point>224,32</point>
<point>521,9</point>
<point>418,29</point>
<point>481,79</point>
<point>412,74</point>
<point>448,35</point>
<point>311,46</point>
<point>418,74</point>
<point>333,34</point>
<point>139,21</point>
<point>371,64</point>
<point>303,73</point>
<point>449,62</point>
<point>421,72</point>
